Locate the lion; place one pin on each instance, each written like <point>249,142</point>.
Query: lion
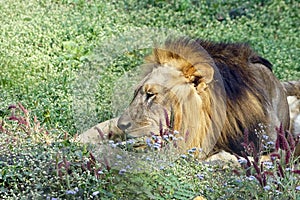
<point>294,105</point>
<point>213,92</point>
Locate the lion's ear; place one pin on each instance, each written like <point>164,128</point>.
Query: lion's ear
<point>200,74</point>
<point>205,71</point>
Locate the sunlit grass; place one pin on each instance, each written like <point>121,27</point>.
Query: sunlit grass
<point>53,53</point>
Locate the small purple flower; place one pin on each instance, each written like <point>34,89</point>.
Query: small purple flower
<point>113,145</point>
<point>95,193</point>
<point>100,172</point>
<point>191,155</point>
<point>128,167</point>
<point>165,137</point>
<point>70,192</point>
<point>183,156</point>
<point>119,157</point>
<point>148,158</point>
<point>191,151</point>
<point>265,137</point>
<point>200,176</point>
<point>148,142</point>
<point>268,165</point>
<point>251,178</point>
<point>131,141</point>
<point>242,161</point>
<point>122,171</point>
<point>267,187</point>
<point>51,198</point>
<point>274,156</point>
<point>298,188</point>
<point>278,192</point>
<point>156,146</point>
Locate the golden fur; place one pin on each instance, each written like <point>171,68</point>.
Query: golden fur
<point>215,90</point>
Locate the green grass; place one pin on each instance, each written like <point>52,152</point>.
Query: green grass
<point>61,60</point>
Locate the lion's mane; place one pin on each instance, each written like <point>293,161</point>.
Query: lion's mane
<point>235,101</point>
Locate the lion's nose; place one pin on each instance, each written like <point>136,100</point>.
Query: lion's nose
<point>124,123</point>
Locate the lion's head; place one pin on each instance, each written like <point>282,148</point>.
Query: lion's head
<point>180,85</point>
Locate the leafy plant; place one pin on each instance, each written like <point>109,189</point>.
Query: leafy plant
<point>272,174</point>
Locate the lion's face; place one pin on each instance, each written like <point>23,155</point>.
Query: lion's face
<point>154,97</point>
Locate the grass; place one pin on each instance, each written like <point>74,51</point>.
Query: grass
<point>61,60</point>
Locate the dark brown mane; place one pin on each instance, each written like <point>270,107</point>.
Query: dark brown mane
<point>233,61</point>
<point>245,95</point>
<point>234,64</point>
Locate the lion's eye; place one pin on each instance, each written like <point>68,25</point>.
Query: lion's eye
<point>149,96</point>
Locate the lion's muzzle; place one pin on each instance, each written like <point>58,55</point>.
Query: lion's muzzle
<point>124,122</point>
